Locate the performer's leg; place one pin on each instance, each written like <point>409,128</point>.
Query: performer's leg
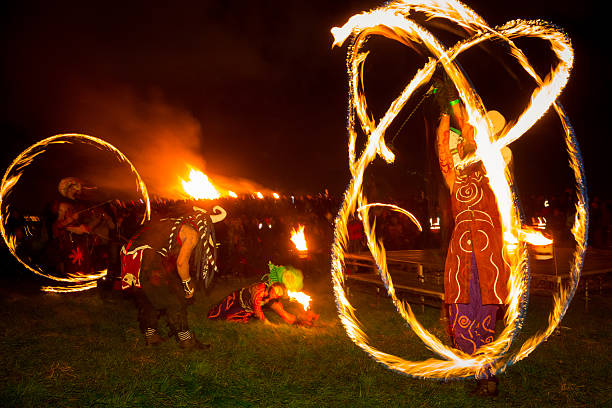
<point>473,325</point>
<point>162,287</point>
<point>148,319</point>
<point>154,296</point>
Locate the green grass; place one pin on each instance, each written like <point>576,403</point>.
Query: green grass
<point>85,349</point>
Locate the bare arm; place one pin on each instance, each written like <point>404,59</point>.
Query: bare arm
<point>65,217</point>
<point>280,310</point>
<point>444,155</point>
<point>258,301</point>
<point>189,239</point>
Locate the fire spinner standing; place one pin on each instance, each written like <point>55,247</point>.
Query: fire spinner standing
<point>158,260</point>
<point>475,273</point>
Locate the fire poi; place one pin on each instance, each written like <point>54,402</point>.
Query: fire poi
<point>394,22</point>
<point>81,280</point>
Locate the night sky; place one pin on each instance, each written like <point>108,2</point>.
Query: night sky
<point>253,90</point>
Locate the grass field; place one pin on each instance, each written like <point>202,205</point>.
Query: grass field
<point>82,350</point>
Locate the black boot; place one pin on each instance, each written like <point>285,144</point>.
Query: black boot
<point>152,337</point>
<point>486,387</point>
<point>188,341</point>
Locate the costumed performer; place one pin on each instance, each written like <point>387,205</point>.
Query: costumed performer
<point>246,303</point>
<point>475,272</point>
<point>163,262</point>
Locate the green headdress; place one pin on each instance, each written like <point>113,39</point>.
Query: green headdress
<point>292,278</point>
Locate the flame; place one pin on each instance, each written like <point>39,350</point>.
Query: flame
<point>393,21</point>
<point>528,235</point>
<point>232,194</point>
<point>259,195</point>
<point>276,196</point>
<point>300,297</point>
<point>535,237</point>
<point>199,187</point>
<point>69,289</point>
<point>298,238</point>
<point>14,173</point>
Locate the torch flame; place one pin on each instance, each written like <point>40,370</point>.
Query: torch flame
<point>199,187</point>
<point>299,239</point>
<point>535,237</point>
<point>300,297</point>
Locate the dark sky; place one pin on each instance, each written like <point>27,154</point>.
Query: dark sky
<point>249,89</point>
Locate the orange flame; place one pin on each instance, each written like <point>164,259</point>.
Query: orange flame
<point>70,289</point>
<point>199,187</point>
<point>232,194</point>
<point>300,297</point>
<point>299,239</point>
<point>535,237</point>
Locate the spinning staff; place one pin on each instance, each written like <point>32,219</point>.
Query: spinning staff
<point>393,21</point>
<point>80,280</point>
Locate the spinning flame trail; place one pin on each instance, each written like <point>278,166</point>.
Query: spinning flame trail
<point>393,21</point>
<point>14,173</point>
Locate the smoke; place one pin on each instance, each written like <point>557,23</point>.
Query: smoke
<point>159,139</point>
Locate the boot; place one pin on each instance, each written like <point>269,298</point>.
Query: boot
<point>152,337</point>
<point>188,341</point>
<point>486,387</point>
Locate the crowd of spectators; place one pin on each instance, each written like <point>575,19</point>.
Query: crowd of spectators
<point>258,230</point>
<point>254,232</point>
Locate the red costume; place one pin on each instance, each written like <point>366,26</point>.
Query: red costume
<point>477,231</point>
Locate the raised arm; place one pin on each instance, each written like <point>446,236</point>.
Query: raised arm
<point>444,154</point>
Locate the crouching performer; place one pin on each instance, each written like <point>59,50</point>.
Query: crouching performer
<point>164,262</point>
<point>244,304</point>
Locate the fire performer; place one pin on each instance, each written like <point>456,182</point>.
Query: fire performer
<point>246,303</point>
<point>160,261</point>
<point>71,228</point>
<point>475,273</point>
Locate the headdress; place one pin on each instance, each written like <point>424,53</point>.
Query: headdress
<point>292,278</point>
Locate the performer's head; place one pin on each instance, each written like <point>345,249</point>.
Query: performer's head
<point>290,277</point>
<point>70,187</point>
<point>276,291</point>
